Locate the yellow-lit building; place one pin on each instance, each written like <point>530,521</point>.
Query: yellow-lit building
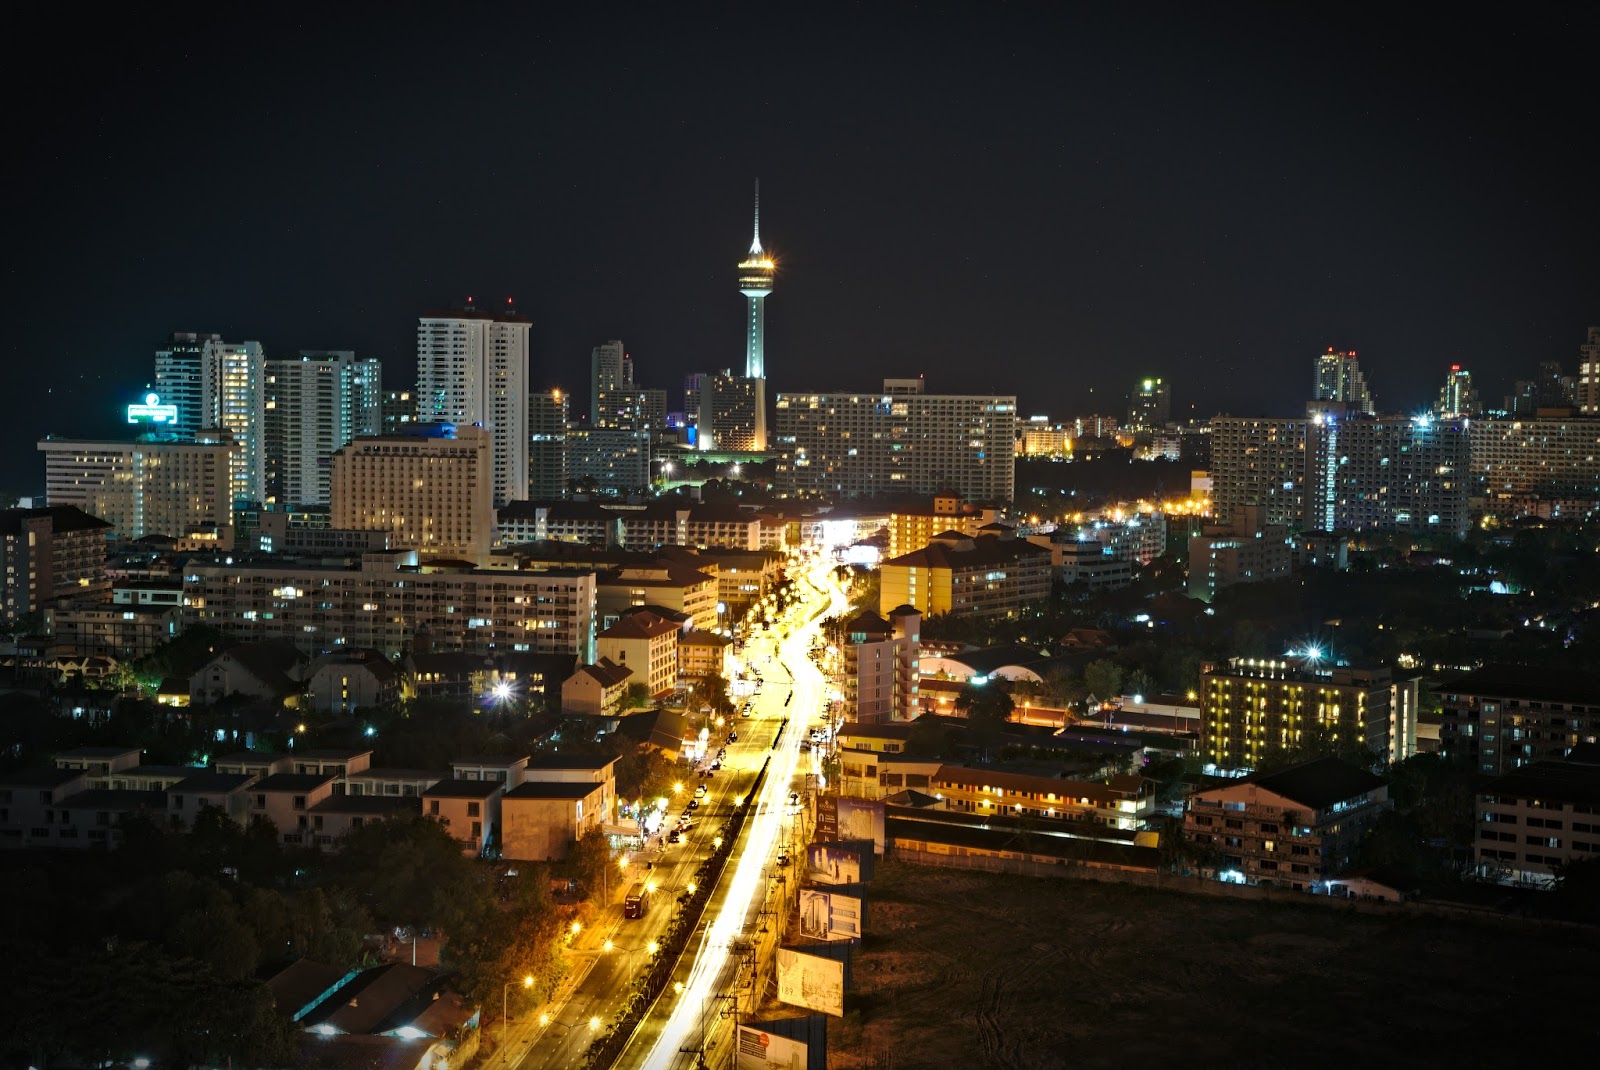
<point>645,643</point>
<point>912,530</point>
<point>987,575</point>
<point>1252,707</point>
<point>434,495</point>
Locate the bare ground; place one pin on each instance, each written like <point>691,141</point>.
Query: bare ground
<point>966,970</point>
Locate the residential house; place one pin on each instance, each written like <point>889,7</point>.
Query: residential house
<point>268,671</point>
<point>596,689</point>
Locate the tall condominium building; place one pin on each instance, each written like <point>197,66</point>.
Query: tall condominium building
<point>732,413</point>
<point>1387,473</point>
<point>1338,378</point>
<point>398,409</point>
<point>1545,466</point>
<point>431,490</point>
<point>548,414</point>
<point>49,553</point>
<point>1251,708</point>
<point>171,488</point>
<point>898,441</point>
<point>1150,405</point>
<point>472,368</point>
<point>693,385</point>
<point>1549,389</point>
<point>217,384</point>
<point>1458,398</point>
<point>385,601</point>
<point>615,402</point>
<point>653,408</point>
<point>1587,393</point>
<point>316,403</point>
<point>1259,462</point>
<point>608,459</point>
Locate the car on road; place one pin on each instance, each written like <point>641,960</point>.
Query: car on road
<point>733,737</point>
<point>694,804</point>
<point>700,792</point>
<point>674,836</point>
<point>783,856</point>
<point>716,765</point>
<point>685,823</point>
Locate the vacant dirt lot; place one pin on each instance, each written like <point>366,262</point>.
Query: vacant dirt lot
<point>968,970</point>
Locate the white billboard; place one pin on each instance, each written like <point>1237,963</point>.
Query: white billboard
<point>828,863</point>
<point>829,915</point>
<point>761,1050</point>
<point>811,982</point>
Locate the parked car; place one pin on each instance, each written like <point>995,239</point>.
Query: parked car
<point>674,836</point>
<point>783,856</point>
<point>700,792</point>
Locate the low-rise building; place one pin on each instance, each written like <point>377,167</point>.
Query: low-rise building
<point>703,653</point>
<point>1245,550</point>
<point>543,819</point>
<point>596,689</point>
<point>646,644</point>
<point>1537,818</point>
<point>1123,802</point>
<point>347,680</point>
<point>227,793</point>
<point>879,667</point>
<point>1294,828</point>
<point>272,670</point>
<point>287,801</point>
<point>468,809</point>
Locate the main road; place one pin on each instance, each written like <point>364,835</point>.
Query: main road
<point>611,952</point>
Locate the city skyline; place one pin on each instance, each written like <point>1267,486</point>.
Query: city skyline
<point>1059,244</point>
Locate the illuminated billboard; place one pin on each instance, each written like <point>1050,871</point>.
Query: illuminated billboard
<point>862,819</point>
<point>832,863</point>
<point>153,412</point>
<point>829,915</point>
<point>811,981</point>
<point>761,1050</point>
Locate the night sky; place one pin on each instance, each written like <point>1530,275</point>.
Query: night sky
<point>1002,197</point>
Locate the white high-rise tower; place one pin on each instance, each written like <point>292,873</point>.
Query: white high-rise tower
<point>472,368</point>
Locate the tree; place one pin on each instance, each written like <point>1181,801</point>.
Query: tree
<point>984,705</point>
<point>636,697</point>
<point>646,772</point>
<point>1140,683</point>
<point>1103,678</point>
<point>411,874</point>
<point>589,862</point>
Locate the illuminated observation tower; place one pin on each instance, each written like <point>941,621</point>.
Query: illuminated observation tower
<point>756,271</point>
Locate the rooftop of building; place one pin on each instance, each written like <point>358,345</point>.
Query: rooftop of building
<point>115,799</point>
<point>270,660</point>
<point>63,519</point>
<point>1316,784</point>
<point>210,783</point>
<point>1567,781</point>
<point>333,754</point>
<point>591,762</point>
<point>1115,789</point>
<point>365,805</point>
<point>639,626</point>
<point>39,778</point>
<point>302,981</point>
<point>971,553</point>
<point>553,789</point>
<point>91,753</point>
<point>607,673</point>
<point>696,637</point>
<point>248,757</point>
<point>1541,684</point>
<point>293,781</point>
<point>463,789</point>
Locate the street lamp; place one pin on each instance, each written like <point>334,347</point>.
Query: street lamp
<point>505,1017</point>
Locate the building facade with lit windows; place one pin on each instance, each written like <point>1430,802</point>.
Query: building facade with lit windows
<point>1294,828</point>
<point>472,368</point>
<point>315,403</point>
<point>1387,473</point>
<point>1546,465</point>
<point>1538,818</point>
<point>430,490</point>
<point>1502,717</point>
<point>1259,462</point>
<point>50,553</point>
<point>899,441</point>
<point>217,384</point>
<point>645,644</point>
<point>988,576</point>
<point>172,488</point>
<point>386,600</point>
<point>548,415</point>
<point>1251,708</point>
<point>1124,802</point>
<point>880,669</point>
<point>912,529</point>
<point>1150,405</point>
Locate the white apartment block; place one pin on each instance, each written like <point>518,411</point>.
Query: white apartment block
<point>316,403</point>
<point>901,440</point>
<point>1547,465</point>
<point>145,488</point>
<point>430,494</point>
<point>385,600</point>
<point>217,384</point>
<point>472,368</point>
<point>1258,462</point>
<point>1387,473</point>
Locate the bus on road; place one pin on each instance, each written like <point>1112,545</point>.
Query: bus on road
<point>637,902</point>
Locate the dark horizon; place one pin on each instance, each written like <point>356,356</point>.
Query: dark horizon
<point>1016,200</point>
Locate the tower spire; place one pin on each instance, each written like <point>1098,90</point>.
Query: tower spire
<point>755,246</point>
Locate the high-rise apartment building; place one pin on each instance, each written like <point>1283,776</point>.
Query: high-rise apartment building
<point>614,402</point>
<point>49,553</point>
<point>608,459</point>
<point>548,414</point>
<point>693,385</point>
<point>1588,384</point>
<point>897,441</point>
<point>217,384</point>
<point>316,403</point>
<point>1387,473</point>
<point>1150,405</point>
<point>1259,462</point>
<point>171,488</point>
<point>398,410</point>
<point>472,368</point>
<point>1550,389</point>
<point>1253,707</point>
<point>432,490</point>
<point>879,664</point>
<point>1545,465</point>
<point>1458,398</point>
<point>1338,378</point>
<point>732,413</point>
